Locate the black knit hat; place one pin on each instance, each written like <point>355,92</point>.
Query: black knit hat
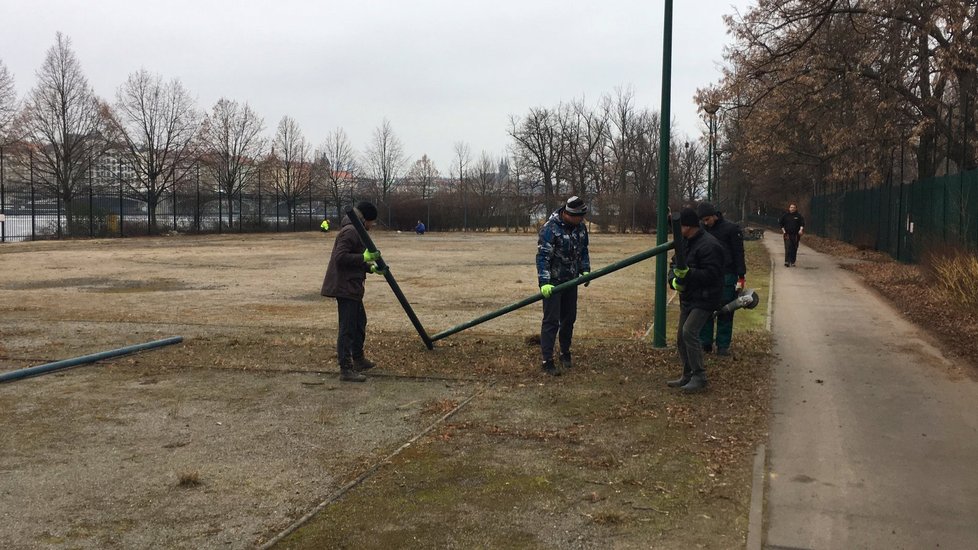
<point>575,206</point>
<point>705,209</point>
<point>368,210</point>
<point>688,218</point>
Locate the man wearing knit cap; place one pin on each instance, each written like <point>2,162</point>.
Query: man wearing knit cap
<point>348,266</point>
<point>700,286</point>
<point>734,271</point>
<point>562,255</point>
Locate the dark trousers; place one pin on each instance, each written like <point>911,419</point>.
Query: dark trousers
<point>791,247</point>
<point>559,314</point>
<point>691,322</point>
<point>724,321</point>
<point>352,331</point>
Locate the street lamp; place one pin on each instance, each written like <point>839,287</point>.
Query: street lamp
<point>711,109</point>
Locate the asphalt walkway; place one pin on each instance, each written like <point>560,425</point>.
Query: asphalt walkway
<point>874,438</point>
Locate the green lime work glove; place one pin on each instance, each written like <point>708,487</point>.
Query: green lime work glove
<point>547,290</point>
<point>377,270</point>
<point>585,274</point>
<point>677,285</point>
<point>369,256</point>
<point>681,272</point>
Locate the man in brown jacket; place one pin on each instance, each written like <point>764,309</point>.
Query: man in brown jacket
<point>348,266</point>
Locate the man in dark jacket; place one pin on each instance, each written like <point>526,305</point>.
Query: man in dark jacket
<point>700,287</point>
<point>562,255</point>
<point>792,226</point>
<point>348,266</point>
<point>734,271</point>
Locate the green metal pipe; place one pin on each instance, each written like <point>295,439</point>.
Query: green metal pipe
<point>662,228</point>
<point>57,365</point>
<point>369,243</point>
<point>610,268</point>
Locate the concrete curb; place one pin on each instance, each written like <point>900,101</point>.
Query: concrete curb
<point>755,520</point>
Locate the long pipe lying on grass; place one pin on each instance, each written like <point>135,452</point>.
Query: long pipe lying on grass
<point>610,268</point>
<point>66,363</point>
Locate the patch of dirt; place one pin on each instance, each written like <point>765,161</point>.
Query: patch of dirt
<point>232,435</point>
<point>910,289</point>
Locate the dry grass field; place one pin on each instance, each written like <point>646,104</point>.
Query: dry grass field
<point>228,438</point>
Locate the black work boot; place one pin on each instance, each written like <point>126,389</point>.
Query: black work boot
<point>361,364</point>
<point>348,373</point>
<point>696,384</point>
<point>565,362</point>
<point>550,368</point>
<point>679,382</point>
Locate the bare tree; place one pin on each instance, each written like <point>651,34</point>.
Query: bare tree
<point>8,102</point>
<point>340,170</point>
<point>620,112</point>
<point>423,175</point>
<point>540,140</point>
<point>232,141</point>
<point>486,182</point>
<point>687,168</point>
<point>463,157</point>
<point>385,161</point>
<point>65,123</point>
<point>160,124</point>
<point>585,135</point>
<point>521,186</point>
<point>292,176</point>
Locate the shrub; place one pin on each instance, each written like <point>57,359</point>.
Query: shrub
<point>957,274</point>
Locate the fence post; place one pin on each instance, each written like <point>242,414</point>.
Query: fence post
<point>197,204</point>
<point>260,224</point>
<point>122,205</point>
<point>57,211</point>
<point>91,199</point>
<point>149,219</point>
<point>33,203</point>
<point>3,201</point>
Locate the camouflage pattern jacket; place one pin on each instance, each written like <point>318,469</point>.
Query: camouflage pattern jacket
<point>562,252</point>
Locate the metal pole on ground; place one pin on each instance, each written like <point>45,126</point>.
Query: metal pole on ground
<point>610,268</point>
<point>369,243</point>
<point>58,365</point>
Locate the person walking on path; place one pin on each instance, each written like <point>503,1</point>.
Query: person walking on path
<point>324,227</point>
<point>420,228</point>
<point>792,226</point>
<point>562,255</point>
<point>734,275</point>
<point>700,287</point>
<point>346,272</point>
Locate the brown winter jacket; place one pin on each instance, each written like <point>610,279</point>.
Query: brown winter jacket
<point>346,270</point>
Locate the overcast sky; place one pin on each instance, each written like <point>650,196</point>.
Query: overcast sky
<point>441,71</point>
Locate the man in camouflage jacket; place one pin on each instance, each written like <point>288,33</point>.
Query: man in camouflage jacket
<point>562,255</point>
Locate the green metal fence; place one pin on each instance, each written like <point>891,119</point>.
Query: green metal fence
<point>903,220</point>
